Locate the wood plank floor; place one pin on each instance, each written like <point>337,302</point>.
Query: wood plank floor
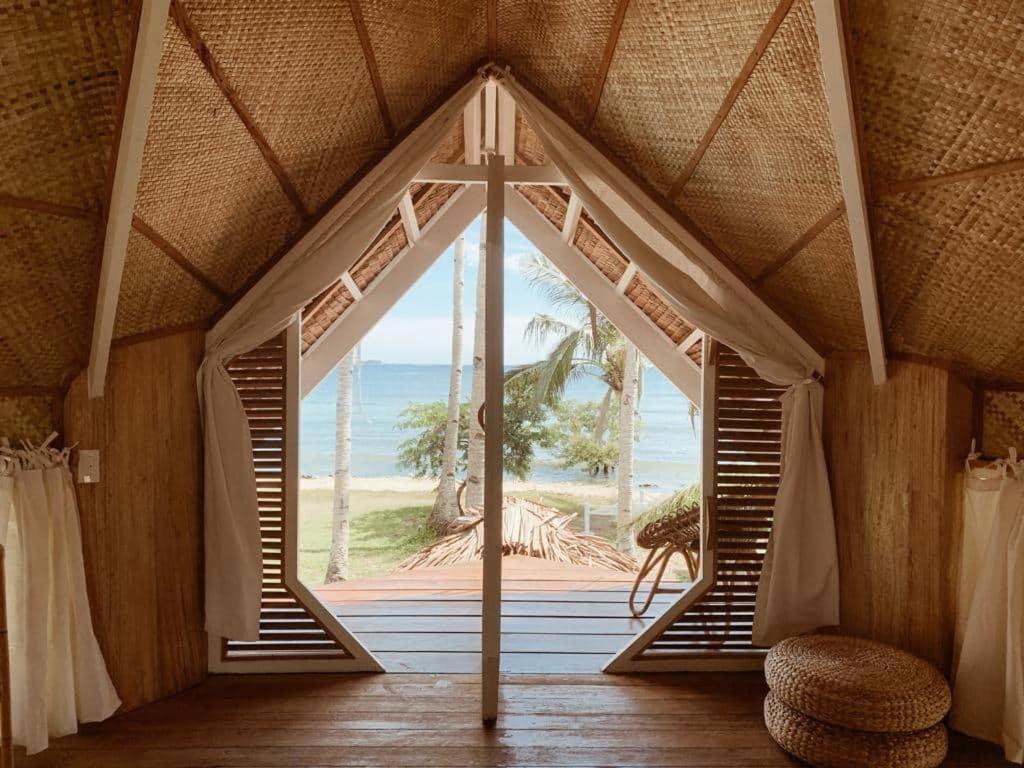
<point>400,720</point>
<point>556,618</point>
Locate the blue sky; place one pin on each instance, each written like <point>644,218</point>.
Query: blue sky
<point>418,328</point>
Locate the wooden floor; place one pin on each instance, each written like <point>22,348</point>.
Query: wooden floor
<point>556,618</point>
<point>706,719</point>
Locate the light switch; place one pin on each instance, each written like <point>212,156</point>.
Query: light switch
<point>89,466</point>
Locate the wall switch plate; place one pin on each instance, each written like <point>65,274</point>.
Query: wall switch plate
<point>89,466</point>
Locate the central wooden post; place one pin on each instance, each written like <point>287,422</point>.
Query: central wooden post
<point>494,463</point>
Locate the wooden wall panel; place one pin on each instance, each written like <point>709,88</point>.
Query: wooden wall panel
<point>895,456</point>
<point>141,525</point>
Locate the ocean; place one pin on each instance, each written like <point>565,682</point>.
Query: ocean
<point>667,453</point>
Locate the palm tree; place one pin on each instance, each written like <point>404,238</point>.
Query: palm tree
<point>591,346</point>
<point>337,561</point>
<point>627,437</point>
<point>475,458</point>
<point>445,504</point>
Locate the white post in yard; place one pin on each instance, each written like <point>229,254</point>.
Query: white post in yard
<point>494,388</point>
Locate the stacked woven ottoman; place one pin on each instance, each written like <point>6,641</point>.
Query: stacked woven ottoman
<point>844,702</point>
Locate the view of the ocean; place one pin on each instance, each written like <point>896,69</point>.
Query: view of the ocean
<point>667,455</point>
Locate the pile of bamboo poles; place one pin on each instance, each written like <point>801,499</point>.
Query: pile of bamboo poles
<point>529,529</point>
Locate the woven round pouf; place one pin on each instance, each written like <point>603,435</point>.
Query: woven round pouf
<point>831,746</point>
<point>858,684</point>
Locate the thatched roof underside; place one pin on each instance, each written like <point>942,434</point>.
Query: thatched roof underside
<point>265,113</point>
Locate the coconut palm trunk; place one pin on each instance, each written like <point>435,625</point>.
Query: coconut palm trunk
<point>337,562</point>
<point>627,435</point>
<point>475,460</point>
<point>444,504</point>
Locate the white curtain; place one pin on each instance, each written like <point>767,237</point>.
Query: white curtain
<point>799,586</point>
<point>233,558</point>
<point>988,682</point>
<point>58,676</point>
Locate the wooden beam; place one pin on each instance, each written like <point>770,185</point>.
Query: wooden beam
<point>135,124</point>
<point>689,243</point>
<point>692,338</point>
<point>802,242</point>
<point>41,206</point>
<point>760,47</point>
<point>838,92</point>
<point>346,278</point>
<point>454,173</point>
<point>606,62</point>
<point>626,279</point>
<point>407,212</point>
<point>188,29</point>
<point>492,29</point>
<point>371,67</point>
<point>971,174</point>
<point>603,294</point>
<point>494,440</point>
<point>506,126</point>
<point>178,258</point>
<point>490,117</point>
<point>572,217</point>
<point>30,390</point>
<point>471,131</point>
<point>390,285</point>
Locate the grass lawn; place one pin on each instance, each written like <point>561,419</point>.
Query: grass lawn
<point>386,527</point>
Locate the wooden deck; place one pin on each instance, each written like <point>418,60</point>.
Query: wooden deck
<point>556,618</point>
<point>433,720</point>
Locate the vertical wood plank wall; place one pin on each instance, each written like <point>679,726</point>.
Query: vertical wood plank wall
<point>141,525</point>
<point>895,454</point>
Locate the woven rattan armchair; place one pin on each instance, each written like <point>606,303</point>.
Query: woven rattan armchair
<point>676,532</point>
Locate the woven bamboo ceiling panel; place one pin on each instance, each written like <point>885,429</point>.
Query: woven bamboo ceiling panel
<point>205,186</point>
<point>557,46</point>
<point>952,276</point>
<point>1003,426</point>
<point>940,82</point>
<point>47,296</point>
<point>26,418</point>
<point>673,65</point>
<point>60,77</point>
<point>274,57</point>
<point>265,112</point>
<point>770,172</point>
<point>156,292</point>
<point>423,48</point>
<point>817,288</point>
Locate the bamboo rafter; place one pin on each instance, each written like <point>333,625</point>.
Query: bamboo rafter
<point>372,68</point>
<point>195,39</point>
<point>606,61</point>
<point>730,98</point>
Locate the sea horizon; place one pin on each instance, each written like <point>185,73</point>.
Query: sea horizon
<point>667,455</point>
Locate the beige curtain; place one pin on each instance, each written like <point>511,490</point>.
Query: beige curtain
<point>58,675</point>
<point>233,558</point>
<point>988,683</point>
<point>799,586</point>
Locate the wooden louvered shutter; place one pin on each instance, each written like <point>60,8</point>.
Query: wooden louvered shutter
<point>288,628</point>
<point>745,448</point>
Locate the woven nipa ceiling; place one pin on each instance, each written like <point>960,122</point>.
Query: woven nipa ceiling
<point>266,113</point>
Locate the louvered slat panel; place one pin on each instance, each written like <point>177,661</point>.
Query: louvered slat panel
<point>287,629</point>
<point>747,450</point>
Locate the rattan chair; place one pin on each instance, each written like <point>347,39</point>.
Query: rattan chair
<point>676,532</point>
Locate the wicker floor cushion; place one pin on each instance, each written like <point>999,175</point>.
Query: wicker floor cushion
<point>830,746</point>
<point>858,684</point>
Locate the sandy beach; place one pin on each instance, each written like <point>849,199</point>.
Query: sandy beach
<point>399,484</point>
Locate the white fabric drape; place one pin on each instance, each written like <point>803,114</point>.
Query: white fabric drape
<point>58,676</point>
<point>233,558</point>
<point>799,586</point>
<point>988,685</point>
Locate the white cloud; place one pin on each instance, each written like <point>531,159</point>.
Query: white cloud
<point>428,340</point>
